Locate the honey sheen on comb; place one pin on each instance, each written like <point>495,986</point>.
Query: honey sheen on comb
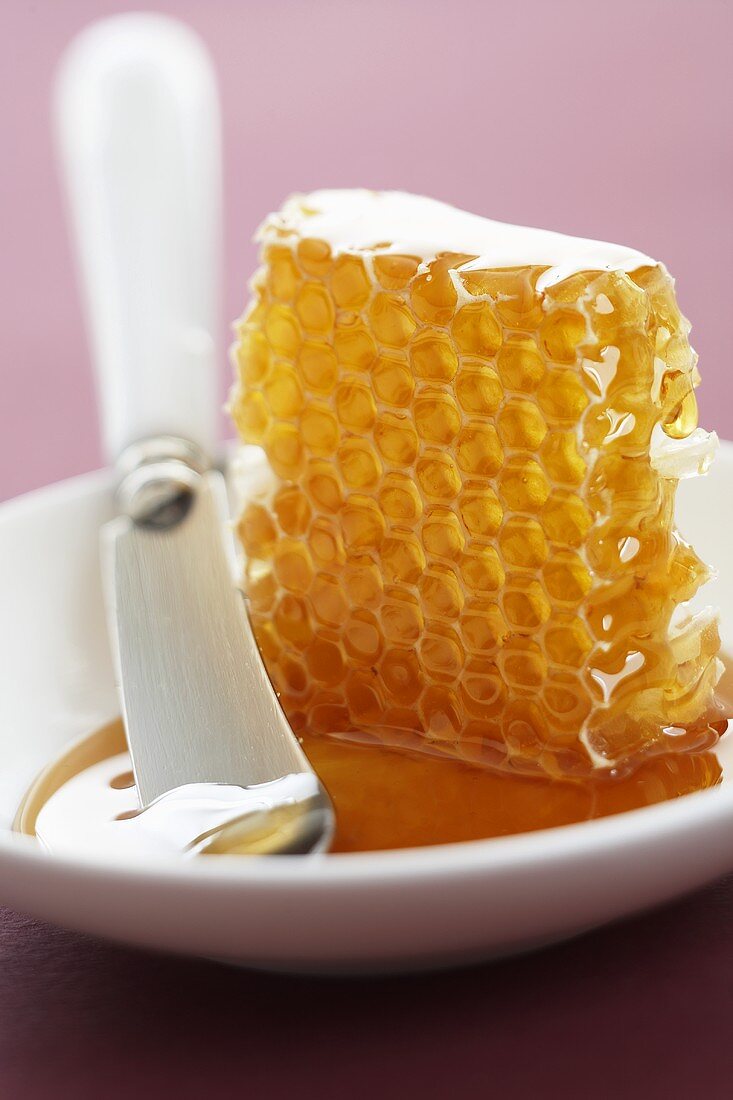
<point>474,434</point>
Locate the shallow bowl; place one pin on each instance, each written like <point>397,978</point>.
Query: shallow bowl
<point>394,910</point>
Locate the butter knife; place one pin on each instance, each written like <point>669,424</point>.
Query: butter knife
<point>138,128</point>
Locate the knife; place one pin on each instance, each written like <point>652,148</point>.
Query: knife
<point>138,132</point>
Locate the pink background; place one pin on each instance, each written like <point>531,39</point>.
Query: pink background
<point>608,120</point>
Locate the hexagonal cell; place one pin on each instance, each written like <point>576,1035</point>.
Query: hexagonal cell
<point>363,582</point>
<point>314,256</point>
<point>293,566</point>
<point>261,591</point>
<point>478,450</point>
<point>315,308</point>
<point>442,535</point>
<point>328,600</point>
<point>432,293</point>
<point>441,593</point>
<point>293,621</point>
<point>520,364</point>
<point>482,570</point>
<point>562,397</point>
<point>285,451</point>
<point>566,702</point>
<point>476,330</point>
<point>566,519</point>
<point>441,713</point>
<point>364,698</point>
<point>253,356</point>
<point>433,357</point>
<point>283,277</point>
<point>323,486</point>
<point>521,424</point>
<point>257,532</point>
<point>354,344</point>
<point>394,272</point>
<point>392,322</point>
<point>355,406</point>
<point>562,332</point>
<point>566,578</point>
<point>327,714</point>
<point>251,416</point>
<point>397,439</point>
<point>437,418</point>
<point>326,543</point>
<point>483,627</point>
<point>522,663</point>
<point>283,391</point>
<point>282,331</point>
<point>481,510</point>
<point>523,485</point>
<point>392,379</point>
<point>293,675</point>
<point>483,691</point>
<point>399,498</point>
<point>293,510</point>
<point>319,428</point>
<point>478,389</point>
<point>567,641</point>
<point>522,543</point>
<point>525,729</point>
<point>359,464</point>
<point>441,651</point>
<point>402,558</point>
<point>318,366</point>
<point>525,604</point>
<point>363,639</point>
<point>362,523</point>
<point>350,283</point>
<point>400,674</point>
<point>402,617</point>
<point>438,476</point>
<point>325,660</point>
<point>562,460</point>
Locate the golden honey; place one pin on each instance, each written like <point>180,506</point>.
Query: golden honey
<point>391,798</point>
<point>467,547</point>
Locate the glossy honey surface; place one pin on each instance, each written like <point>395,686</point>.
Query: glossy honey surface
<point>392,798</point>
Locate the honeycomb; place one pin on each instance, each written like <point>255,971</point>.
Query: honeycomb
<point>465,545</point>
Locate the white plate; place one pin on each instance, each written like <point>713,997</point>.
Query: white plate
<point>391,910</point>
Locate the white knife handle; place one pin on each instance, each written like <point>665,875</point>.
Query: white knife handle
<point>137,118</point>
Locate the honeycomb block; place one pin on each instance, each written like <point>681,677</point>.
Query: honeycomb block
<point>468,544</point>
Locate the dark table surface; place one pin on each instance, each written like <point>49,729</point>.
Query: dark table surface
<point>640,1009</point>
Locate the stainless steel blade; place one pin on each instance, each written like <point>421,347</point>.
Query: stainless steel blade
<point>198,704</point>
